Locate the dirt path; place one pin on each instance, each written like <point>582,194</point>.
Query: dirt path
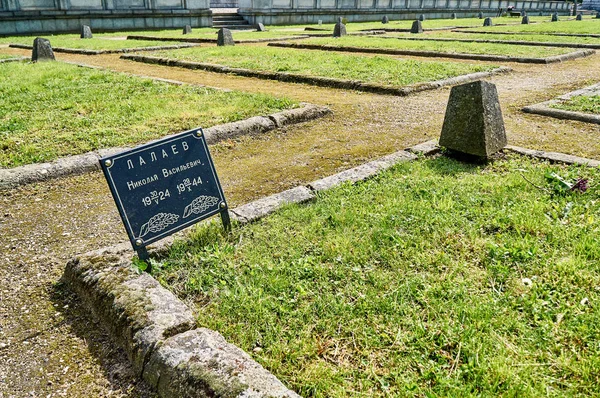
<point>50,347</point>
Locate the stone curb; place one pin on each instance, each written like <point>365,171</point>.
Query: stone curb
<point>437,54</point>
<point>79,164</point>
<point>316,80</point>
<point>545,109</point>
<point>513,42</point>
<point>17,59</point>
<point>212,41</point>
<point>554,156</point>
<point>98,52</point>
<point>487,32</point>
<point>159,332</point>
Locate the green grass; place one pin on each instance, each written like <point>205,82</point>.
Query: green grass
<point>581,103</point>
<point>437,278</point>
<point>406,24</point>
<point>444,47</point>
<point>99,42</point>
<point>588,26</point>
<point>378,69</point>
<point>211,33</point>
<point>7,56</point>
<point>513,37</point>
<point>50,110</point>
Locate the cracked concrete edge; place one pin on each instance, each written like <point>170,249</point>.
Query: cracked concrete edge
<point>439,54</point>
<point>159,334</point>
<point>545,109</point>
<point>15,59</point>
<point>512,42</point>
<point>554,156</point>
<point>318,80</point>
<point>79,164</point>
<point>487,32</point>
<point>83,51</point>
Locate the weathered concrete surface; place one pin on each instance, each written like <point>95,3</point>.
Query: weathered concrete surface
<point>200,363</point>
<point>134,307</point>
<point>361,172</point>
<point>265,206</point>
<point>555,156</point>
<point>42,50</point>
<point>426,148</point>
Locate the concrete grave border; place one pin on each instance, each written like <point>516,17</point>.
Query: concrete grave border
<point>201,40</point>
<point>15,59</point>
<point>488,32</point>
<point>79,164</point>
<point>98,52</point>
<point>159,332</point>
<point>248,41</point>
<point>437,54</point>
<point>317,80</point>
<point>512,42</point>
<point>545,109</point>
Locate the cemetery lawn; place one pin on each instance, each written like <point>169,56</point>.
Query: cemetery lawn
<point>211,33</point>
<point>51,110</point>
<point>374,69</point>
<point>96,43</point>
<point>512,37</point>
<point>452,47</point>
<point>7,56</point>
<point>437,278</point>
<point>406,24</point>
<point>581,103</point>
<point>587,26</point>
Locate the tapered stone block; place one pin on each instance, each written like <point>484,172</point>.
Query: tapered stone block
<point>473,123</point>
<point>488,22</point>
<point>339,30</point>
<point>86,32</point>
<point>417,27</point>
<point>187,29</point>
<point>42,50</point>
<point>224,38</point>
<point>385,19</point>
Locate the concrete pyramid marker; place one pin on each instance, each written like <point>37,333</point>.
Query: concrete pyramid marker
<point>42,50</point>
<point>473,124</point>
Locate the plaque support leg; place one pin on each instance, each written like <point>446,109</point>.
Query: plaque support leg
<point>226,220</point>
<point>145,257</point>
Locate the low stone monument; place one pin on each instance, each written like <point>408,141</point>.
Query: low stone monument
<point>86,32</point>
<point>488,22</point>
<point>555,17</point>
<point>42,50</point>
<point>473,124</point>
<point>422,17</point>
<point>340,29</point>
<point>579,17</point>
<point>260,27</point>
<point>187,29</point>
<point>385,19</point>
<point>598,15</point>
<point>224,38</point>
<point>453,15</point>
<point>480,15</point>
<point>525,20</point>
<point>320,22</point>
<point>417,27</point>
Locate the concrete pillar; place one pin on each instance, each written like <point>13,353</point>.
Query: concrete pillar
<point>63,4</point>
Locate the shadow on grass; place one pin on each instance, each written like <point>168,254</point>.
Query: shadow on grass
<point>112,359</point>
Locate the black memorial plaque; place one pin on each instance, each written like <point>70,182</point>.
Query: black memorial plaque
<point>165,186</point>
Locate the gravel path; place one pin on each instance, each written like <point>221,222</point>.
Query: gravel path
<point>49,347</point>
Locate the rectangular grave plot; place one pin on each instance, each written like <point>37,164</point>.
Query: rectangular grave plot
<point>165,186</point>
